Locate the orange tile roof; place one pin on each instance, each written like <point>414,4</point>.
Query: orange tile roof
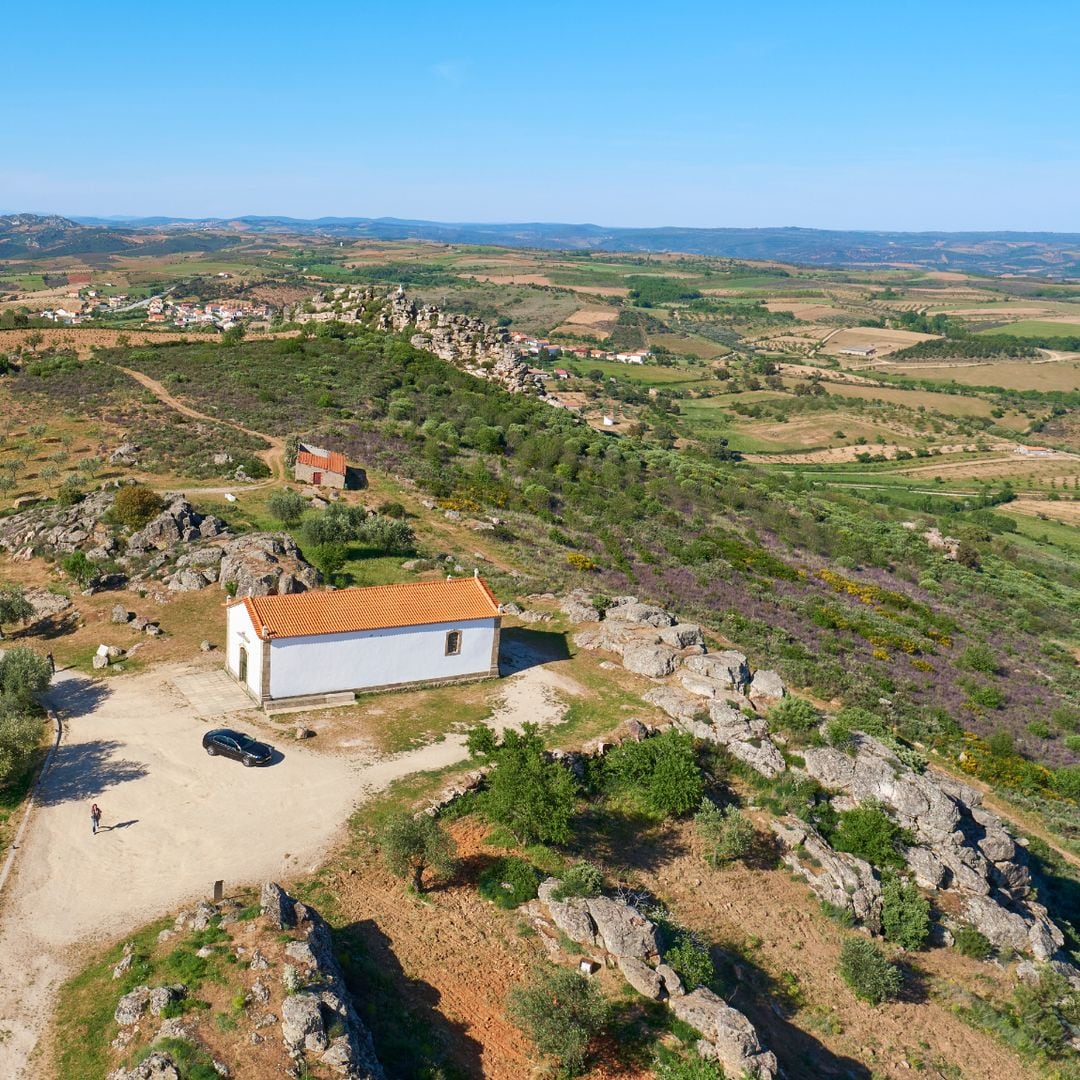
<point>330,462</point>
<point>379,607</point>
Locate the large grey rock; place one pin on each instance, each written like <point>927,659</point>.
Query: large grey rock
<point>132,1005</point>
<point>836,877</point>
<point>672,983</point>
<point>302,1024</point>
<point>622,929</point>
<point>120,614</point>
<point>928,870</point>
<point>162,996</point>
<point>741,736</point>
<point>766,686</point>
<point>648,614</point>
<point>262,564</point>
<point>1025,929</point>
<point>875,772</point>
<point>729,668</point>
<point>578,607</point>
<point>655,661</point>
<point>158,1066</point>
<point>641,977</point>
<point>682,635</point>
<point>678,704</point>
<point>615,637</point>
<point>277,905</point>
<point>728,1037</point>
<point>571,916</point>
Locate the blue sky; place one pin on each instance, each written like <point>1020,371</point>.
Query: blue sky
<point>947,115</point>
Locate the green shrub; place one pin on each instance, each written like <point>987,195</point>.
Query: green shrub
<point>979,658</point>
<point>670,1065</point>
<point>864,967</point>
<point>662,770</point>
<point>726,834</point>
<point>581,879</point>
<point>135,505</point>
<point>1072,742</point>
<point>79,567</point>
<point>287,506</point>
<point>1067,782</point>
<point>868,832</point>
<point>905,914</point>
<point>561,1012</point>
<point>508,883</point>
<point>533,797</point>
<point>14,607</point>
<point>689,956</point>
<point>795,716</point>
<point>1040,729</point>
<point>411,844</point>
<point>1066,717</point>
<point>971,942</point>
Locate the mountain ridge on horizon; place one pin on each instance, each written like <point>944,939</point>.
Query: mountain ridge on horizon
<point>1040,254</point>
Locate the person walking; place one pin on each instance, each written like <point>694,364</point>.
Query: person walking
<point>52,664</point>
<point>95,817</point>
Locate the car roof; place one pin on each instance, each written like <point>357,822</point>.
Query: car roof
<point>227,731</point>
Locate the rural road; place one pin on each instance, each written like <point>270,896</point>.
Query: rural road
<point>176,820</point>
<point>274,455</point>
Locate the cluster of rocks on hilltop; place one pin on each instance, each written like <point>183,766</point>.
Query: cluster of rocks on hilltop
<point>179,548</point>
<point>319,1025</point>
<point>613,931</point>
<point>959,847</point>
<point>716,696</point>
<point>467,342</point>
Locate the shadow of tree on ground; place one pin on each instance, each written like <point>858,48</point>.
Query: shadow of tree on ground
<point>84,770</point>
<point>412,1038</point>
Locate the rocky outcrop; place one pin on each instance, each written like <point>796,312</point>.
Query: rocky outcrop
<point>178,523</point>
<point>319,1019</point>
<point>766,686</point>
<point>277,906</point>
<point>59,530</point>
<point>158,1066</point>
<point>263,564</point>
<point>578,607</point>
<point>727,1037</point>
<point>960,846</point>
<point>487,352</point>
<point>653,661</point>
<point>834,876</point>
<point>619,930</point>
<point>728,669</point>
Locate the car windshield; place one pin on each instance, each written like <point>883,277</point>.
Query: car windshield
<point>247,742</point>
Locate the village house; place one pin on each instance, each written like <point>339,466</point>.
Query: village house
<point>321,468</point>
<point>307,647</point>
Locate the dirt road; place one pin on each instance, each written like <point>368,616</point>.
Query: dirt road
<point>274,455</point>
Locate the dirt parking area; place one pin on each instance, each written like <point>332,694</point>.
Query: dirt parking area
<point>174,821</point>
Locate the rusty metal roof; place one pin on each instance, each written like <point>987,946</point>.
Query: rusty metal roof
<point>328,462</point>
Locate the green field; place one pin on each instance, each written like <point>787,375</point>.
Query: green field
<point>1037,328</point>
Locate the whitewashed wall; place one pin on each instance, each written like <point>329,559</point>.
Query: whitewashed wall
<point>326,663</point>
<point>240,633</point>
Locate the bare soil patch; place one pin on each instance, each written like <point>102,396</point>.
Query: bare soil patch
<point>885,341</point>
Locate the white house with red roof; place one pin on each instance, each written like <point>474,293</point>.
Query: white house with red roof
<point>322,468</point>
<point>322,646</point>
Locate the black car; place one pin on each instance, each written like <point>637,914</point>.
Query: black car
<point>235,744</point>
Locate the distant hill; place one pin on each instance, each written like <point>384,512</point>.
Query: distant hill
<point>30,236</point>
<point>1046,255</point>
<point>36,236</point>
